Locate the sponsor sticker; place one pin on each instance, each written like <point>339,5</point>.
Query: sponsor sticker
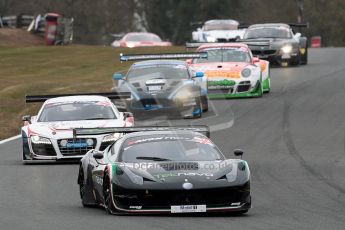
<point>224,82</point>
<point>225,74</point>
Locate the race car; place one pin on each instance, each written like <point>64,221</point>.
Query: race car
<point>231,71</point>
<point>162,87</point>
<point>139,39</point>
<point>49,135</point>
<point>218,31</point>
<point>169,170</point>
<point>277,43</point>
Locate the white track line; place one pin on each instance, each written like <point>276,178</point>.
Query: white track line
<point>9,139</point>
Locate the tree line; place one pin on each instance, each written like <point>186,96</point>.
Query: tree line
<point>174,20</point>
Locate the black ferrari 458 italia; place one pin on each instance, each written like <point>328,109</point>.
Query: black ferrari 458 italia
<point>163,170</point>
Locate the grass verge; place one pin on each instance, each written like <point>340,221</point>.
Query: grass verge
<point>55,70</point>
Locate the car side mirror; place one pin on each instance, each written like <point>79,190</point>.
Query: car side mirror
<point>256,59</point>
<point>117,76</point>
<point>98,155</point>
<point>238,152</point>
<point>298,35</point>
<point>127,115</point>
<point>27,118</point>
<point>199,74</point>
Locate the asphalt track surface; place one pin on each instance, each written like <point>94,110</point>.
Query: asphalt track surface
<point>293,139</point>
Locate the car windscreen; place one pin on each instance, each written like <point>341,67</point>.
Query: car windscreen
<point>71,111</point>
<point>144,73</point>
<point>236,54</point>
<point>221,26</point>
<point>169,147</point>
<point>273,32</point>
<point>143,38</point>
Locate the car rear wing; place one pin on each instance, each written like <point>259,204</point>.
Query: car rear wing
<point>299,25</point>
<point>117,36</point>
<point>77,132</point>
<point>247,42</point>
<point>140,57</point>
<point>43,98</point>
<point>197,44</point>
<point>243,26</point>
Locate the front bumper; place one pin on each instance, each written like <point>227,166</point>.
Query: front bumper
<point>55,152</point>
<point>237,91</point>
<point>229,199</point>
<point>162,106</point>
<point>276,57</point>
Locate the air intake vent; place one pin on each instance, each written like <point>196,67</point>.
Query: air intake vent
<point>222,177</point>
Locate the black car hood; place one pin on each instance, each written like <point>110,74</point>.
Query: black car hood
<point>173,175</point>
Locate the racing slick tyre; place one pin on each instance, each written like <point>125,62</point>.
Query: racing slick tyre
<point>260,90</point>
<point>84,189</point>
<point>268,90</point>
<point>204,103</point>
<point>107,196</point>
<point>26,150</point>
<point>304,57</point>
<point>267,83</point>
<point>195,111</point>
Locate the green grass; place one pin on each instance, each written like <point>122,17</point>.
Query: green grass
<point>55,70</point>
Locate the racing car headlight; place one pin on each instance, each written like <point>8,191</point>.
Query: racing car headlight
<point>286,49</point>
<point>111,137</point>
<point>130,44</point>
<point>246,72</point>
<point>210,38</point>
<point>89,142</point>
<point>40,140</point>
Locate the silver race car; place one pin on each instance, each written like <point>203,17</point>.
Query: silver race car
<point>49,135</point>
